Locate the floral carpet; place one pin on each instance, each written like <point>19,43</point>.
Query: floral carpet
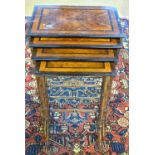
<point>116,140</point>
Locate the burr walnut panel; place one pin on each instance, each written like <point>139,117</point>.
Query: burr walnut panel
<point>75,21</point>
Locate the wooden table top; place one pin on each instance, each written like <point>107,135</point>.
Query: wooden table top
<point>75,21</point>
<point>74,54</point>
<point>75,67</point>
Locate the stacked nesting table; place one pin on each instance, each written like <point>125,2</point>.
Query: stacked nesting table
<point>74,50</point>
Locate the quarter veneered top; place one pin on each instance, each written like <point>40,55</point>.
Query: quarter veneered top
<point>75,21</point>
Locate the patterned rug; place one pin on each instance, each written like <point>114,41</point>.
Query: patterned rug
<point>116,140</point>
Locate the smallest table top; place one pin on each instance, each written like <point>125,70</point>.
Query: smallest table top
<point>75,21</point>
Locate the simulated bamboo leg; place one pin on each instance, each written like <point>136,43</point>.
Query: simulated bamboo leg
<point>103,109</point>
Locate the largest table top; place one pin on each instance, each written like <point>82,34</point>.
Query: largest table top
<point>75,21</point>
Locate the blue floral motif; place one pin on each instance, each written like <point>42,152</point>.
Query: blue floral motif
<point>65,90</point>
<point>74,118</point>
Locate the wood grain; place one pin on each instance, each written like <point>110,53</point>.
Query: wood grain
<point>73,54</point>
<point>75,67</point>
<point>74,41</point>
<point>107,80</point>
<point>75,21</point>
<point>44,108</point>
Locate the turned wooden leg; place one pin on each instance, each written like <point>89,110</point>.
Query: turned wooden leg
<point>44,105</point>
<point>107,80</point>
